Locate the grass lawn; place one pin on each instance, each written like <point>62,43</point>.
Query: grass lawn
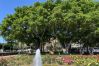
<point>51,60</point>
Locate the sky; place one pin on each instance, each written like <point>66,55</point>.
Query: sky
<point>8,6</point>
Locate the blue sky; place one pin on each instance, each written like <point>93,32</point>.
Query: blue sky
<point>8,6</point>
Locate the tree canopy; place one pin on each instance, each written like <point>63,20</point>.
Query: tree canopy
<point>67,20</point>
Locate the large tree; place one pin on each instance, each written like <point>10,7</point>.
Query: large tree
<point>67,20</point>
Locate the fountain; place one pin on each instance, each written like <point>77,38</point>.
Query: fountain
<point>37,59</point>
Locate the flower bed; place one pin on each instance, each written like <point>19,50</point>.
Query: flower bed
<point>52,60</point>
<point>75,60</point>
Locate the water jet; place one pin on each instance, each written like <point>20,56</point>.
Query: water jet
<point>37,59</point>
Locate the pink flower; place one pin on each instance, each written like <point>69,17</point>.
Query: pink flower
<point>67,60</point>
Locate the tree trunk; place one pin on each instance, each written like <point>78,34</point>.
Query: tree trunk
<point>43,47</point>
<point>69,49</point>
<point>37,43</point>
